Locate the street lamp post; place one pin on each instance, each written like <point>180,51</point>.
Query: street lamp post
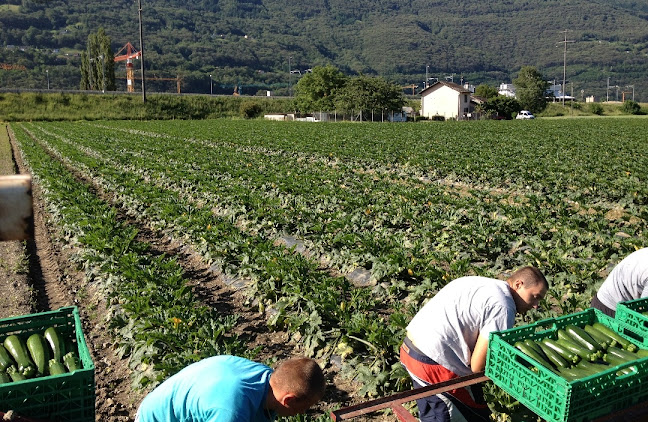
<point>47,73</point>
<point>211,86</point>
<point>425,85</point>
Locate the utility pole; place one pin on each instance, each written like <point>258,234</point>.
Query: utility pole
<point>607,92</point>
<point>564,64</point>
<point>425,85</point>
<point>141,50</point>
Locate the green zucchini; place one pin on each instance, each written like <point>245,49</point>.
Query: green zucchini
<point>592,368</point>
<point>642,353</point>
<point>625,371</point>
<point>5,360</point>
<point>573,373</point>
<point>56,367</point>
<point>15,374</point>
<point>577,349</point>
<point>4,378</point>
<point>603,340</point>
<point>531,352</point>
<point>534,345</point>
<point>39,351</point>
<point>71,362</point>
<point>18,351</point>
<point>568,355</point>
<point>624,342</point>
<point>622,354</point>
<point>554,357</point>
<point>614,360</point>
<point>56,343</point>
<point>581,337</point>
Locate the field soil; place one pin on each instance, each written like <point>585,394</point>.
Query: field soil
<point>37,275</point>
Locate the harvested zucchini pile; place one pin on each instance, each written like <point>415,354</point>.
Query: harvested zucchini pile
<point>578,352</point>
<point>37,356</point>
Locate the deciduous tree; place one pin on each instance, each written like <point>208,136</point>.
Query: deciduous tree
<point>370,95</point>
<point>316,91</point>
<point>530,89</point>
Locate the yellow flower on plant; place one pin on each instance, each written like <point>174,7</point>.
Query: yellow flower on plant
<point>176,322</point>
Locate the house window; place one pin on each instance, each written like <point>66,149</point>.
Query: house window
<point>465,98</point>
<point>466,110</point>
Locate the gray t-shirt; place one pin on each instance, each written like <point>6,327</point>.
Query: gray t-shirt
<point>627,281</point>
<point>447,327</point>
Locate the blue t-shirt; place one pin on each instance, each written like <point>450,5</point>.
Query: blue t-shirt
<point>220,388</point>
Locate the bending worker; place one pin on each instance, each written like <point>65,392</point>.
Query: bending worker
<point>627,281</point>
<point>234,389</point>
<point>448,338</point>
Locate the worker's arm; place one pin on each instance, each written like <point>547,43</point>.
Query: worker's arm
<point>478,359</point>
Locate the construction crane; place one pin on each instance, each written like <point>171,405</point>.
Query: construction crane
<point>129,53</point>
<point>177,79</point>
<point>412,86</point>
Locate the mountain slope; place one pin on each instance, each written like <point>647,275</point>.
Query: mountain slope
<point>254,43</point>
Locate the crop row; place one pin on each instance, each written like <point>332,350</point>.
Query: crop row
<point>151,306</point>
<point>413,206</point>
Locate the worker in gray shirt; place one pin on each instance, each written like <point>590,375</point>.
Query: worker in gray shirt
<point>627,281</point>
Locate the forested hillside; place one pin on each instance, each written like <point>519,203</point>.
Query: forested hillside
<point>253,44</point>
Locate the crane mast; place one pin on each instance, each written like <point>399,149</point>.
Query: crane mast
<point>129,53</point>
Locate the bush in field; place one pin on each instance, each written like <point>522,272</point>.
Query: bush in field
<point>631,107</point>
<point>250,109</point>
<point>596,108</point>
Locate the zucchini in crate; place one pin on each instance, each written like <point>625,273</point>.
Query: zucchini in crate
<point>602,339</point>
<point>554,356</point>
<point>621,354</point>
<point>580,337</point>
<point>55,367</point>
<point>71,362</point>
<point>56,342</point>
<point>567,354</point>
<point>4,378</point>
<point>5,360</point>
<point>18,351</point>
<point>15,374</point>
<point>625,343</point>
<point>39,351</point>
<point>531,352</point>
<point>565,341</point>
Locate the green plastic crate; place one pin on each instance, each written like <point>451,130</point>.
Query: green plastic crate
<point>630,314</point>
<point>552,397</point>
<point>68,397</point>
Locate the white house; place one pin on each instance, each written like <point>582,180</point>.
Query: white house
<point>507,90</point>
<point>446,99</point>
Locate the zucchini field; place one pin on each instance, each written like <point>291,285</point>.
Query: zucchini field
<point>336,232</point>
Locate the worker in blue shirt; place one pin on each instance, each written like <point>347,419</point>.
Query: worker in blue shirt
<point>234,389</point>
